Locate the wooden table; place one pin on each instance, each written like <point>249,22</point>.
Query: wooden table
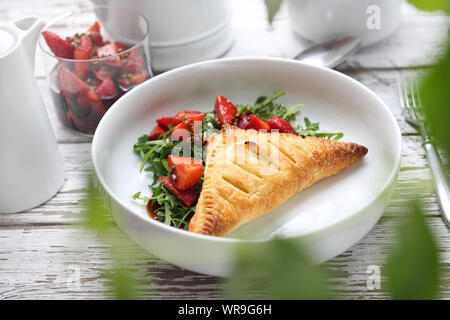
<point>43,248</point>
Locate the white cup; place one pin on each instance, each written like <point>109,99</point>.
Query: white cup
<point>183,31</point>
<point>321,20</point>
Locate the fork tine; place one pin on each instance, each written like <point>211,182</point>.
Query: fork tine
<point>419,101</point>
<point>404,99</point>
<point>415,105</point>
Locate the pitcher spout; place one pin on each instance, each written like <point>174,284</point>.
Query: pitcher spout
<point>27,31</point>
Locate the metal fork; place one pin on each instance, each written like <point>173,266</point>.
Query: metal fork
<point>412,110</point>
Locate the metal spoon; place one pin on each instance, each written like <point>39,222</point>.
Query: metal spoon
<point>330,53</point>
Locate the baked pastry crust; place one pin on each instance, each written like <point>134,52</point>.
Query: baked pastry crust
<point>248,173</point>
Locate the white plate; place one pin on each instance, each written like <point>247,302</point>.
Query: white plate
<point>329,217</point>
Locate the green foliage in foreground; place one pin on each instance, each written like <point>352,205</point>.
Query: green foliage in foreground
<point>413,267</point>
<point>97,218</point>
<point>279,268</point>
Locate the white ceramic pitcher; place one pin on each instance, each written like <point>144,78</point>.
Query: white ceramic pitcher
<point>31,170</point>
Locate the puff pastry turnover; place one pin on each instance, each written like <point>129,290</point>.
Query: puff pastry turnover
<point>248,173</point>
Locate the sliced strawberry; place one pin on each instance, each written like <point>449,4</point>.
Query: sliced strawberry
<point>124,83</point>
<point>243,123</point>
<point>188,197</point>
<point>82,52</point>
<point>156,133</point>
<point>186,172</point>
<point>104,72</point>
<point>258,123</point>
<point>81,69</point>
<point>83,106</point>
<point>60,48</point>
<point>165,122</point>
<point>135,52</point>
<point>98,108</point>
<point>106,89</point>
<point>95,27</point>
<point>140,77</point>
<point>181,132</point>
<point>281,124</point>
<point>121,46</point>
<point>224,110</point>
<point>189,116</point>
<point>134,64</point>
<point>69,83</point>
<point>107,51</point>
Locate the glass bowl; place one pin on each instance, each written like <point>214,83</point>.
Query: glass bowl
<point>110,56</point>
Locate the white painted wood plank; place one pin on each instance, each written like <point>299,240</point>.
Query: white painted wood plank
<point>38,262</point>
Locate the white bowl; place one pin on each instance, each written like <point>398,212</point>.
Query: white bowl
<point>329,217</point>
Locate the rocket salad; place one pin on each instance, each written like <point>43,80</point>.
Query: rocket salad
<point>177,180</point>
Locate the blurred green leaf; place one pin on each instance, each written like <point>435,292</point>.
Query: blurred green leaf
<point>97,218</point>
<point>435,96</point>
<point>123,285</point>
<point>279,268</point>
<point>413,266</point>
<point>96,214</point>
<point>431,5</point>
<point>272,8</point>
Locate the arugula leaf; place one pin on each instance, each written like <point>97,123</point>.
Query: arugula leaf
<point>169,209</point>
<point>265,107</point>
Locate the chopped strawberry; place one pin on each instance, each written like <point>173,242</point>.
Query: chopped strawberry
<point>83,106</point>
<point>124,83</point>
<point>60,48</point>
<point>94,33</point>
<point>189,116</point>
<point>140,77</point>
<point>165,122</point>
<point>281,124</point>
<point>156,133</point>
<point>243,123</point>
<point>98,109</point>
<point>224,110</point>
<point>107,51</point>
<point>188,196</point>
<point>82,52</point>
<point>81,69</point>
<point>95,27</point>
<point>258,123</point>
<point>106,89</point>
<point>181,132</point>
<point>121,46</point>
<point>134,64</point>
<point>186,172</point>
<point>69,83</point>
<point>104,72</point>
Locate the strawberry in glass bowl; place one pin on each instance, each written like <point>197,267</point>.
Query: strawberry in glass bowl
<point>90,69</point>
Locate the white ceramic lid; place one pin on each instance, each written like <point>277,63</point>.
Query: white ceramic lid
<point>7,42</point>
